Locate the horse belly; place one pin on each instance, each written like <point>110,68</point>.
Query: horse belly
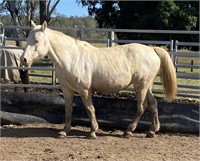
<point>111,84</point>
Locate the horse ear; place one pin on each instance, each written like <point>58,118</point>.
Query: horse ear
<point>33,24</point>
<point>44,25</point>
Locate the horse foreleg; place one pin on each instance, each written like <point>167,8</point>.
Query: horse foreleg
<point>87,100</point>
<point>68,96</point>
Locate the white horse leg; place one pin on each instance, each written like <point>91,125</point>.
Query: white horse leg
<point>87,100</point>
<point>152,103</point>
<point>68,97</point>
<point>141,107</point>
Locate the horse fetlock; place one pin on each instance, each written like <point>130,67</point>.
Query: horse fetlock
<point>127,134</point>
<point>67,127</point>
<point>157,128</point>
<point>96,127</point>
<point>92,135</point>
<point>62,134</point>
<point>150,134</point>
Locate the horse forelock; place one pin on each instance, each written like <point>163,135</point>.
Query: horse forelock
<point>32,34</point>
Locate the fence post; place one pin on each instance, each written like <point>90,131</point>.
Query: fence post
<point>82,34</point>
<point>111,38</point>
<point>2,35</point>
<point>53,75</point>
<point>171,49</point>
<point>75,32</point>
<point>192,63</point>
<point>176,46</point>
<point>175,50</point>
<point>108,43</point>
<point>171,46</point>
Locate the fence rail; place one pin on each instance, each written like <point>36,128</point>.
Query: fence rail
<point>192,89</point>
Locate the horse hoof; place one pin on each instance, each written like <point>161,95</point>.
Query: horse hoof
<point>150,134</point>
<point>62,135</point>
<point>127,134</point>
<point>91,137</point>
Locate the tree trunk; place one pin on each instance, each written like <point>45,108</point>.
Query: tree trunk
<point>15,19</point>
<point>43,11</point>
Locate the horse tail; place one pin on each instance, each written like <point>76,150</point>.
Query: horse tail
<point>167,73</point>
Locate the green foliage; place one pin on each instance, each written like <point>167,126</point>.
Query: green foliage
<point>70,22</point>
<point>174,16</point>
<point>105,12</point>
<point>163,15</point>
<point>57,21</point>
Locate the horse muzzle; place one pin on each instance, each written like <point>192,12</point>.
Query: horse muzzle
<point>24,62</point>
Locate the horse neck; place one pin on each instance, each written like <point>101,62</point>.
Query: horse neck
<point>60,45</point>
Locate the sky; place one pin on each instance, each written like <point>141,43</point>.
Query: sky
<point>71,8</point>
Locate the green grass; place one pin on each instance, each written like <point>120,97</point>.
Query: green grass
<point>40,80</point>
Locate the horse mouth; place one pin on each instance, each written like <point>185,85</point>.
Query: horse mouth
<point>24,62</point>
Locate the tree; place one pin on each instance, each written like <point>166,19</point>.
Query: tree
<point>105,12</point>
<point>169,15</point>
<point>23,11</point>
<point>14,8</point>
<point>46,11</point>
<point>30,11</point>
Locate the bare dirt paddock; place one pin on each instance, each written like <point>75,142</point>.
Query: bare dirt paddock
<point>39,142</point>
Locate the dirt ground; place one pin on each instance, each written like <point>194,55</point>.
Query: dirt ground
<point>39,142</point>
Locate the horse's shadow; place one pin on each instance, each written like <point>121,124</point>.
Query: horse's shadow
<point>27,132</point>
<point>47,132</point>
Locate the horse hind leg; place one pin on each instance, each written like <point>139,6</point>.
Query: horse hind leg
<point>141,92</point>
<point>152,107</point>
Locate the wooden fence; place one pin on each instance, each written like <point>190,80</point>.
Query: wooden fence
<point>185,89</point>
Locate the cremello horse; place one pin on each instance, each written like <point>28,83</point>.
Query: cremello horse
<point>83,68</point>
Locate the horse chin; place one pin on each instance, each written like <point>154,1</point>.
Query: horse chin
<point>29,63</point>
<point>26,64</point>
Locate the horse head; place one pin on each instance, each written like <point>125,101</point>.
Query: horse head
<point>37,45</point>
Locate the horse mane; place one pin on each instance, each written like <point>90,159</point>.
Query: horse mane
<point>59,33</point>
<point>78,42</point>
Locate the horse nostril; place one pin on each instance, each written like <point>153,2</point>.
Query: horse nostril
<point>24,61</point>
